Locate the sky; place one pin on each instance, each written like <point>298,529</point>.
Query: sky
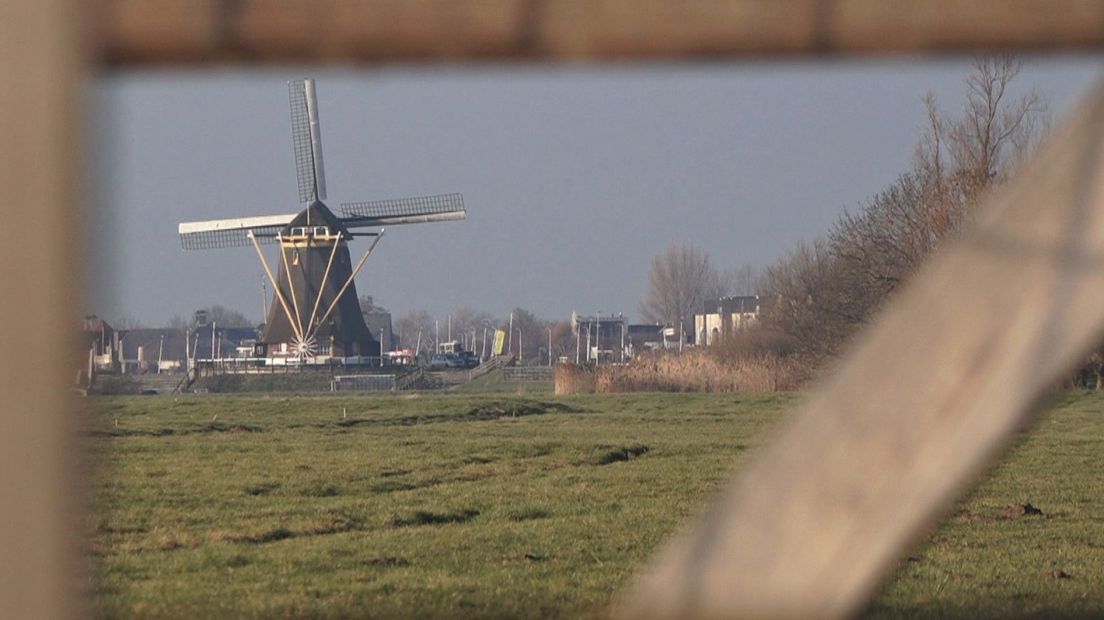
<point>574,177</point>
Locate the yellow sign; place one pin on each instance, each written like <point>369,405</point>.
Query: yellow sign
<point>499,341</point>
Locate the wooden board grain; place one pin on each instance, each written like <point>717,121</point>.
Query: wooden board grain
<point>804,533</point>
<point>130,32</point>
<point>39,82</point>
<point>929,395</point>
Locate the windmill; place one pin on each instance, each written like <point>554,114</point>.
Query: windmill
<point>315,309</point>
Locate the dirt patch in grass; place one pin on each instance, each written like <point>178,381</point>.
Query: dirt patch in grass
<point>222,427</point>
<point>319,489</point>
<point>425,517</point>
<point>627,453</point>
<point>128,432</point>
<point>106,527</point>
<point>333,524</point>
<point>528,514</point>
<point>516,408</point>
<point>273,535</point>
<point>1012,511</point>
<point>492,410</point>
<point>263,488</point>
<point>387,561</point>
<point>1016,511</point>
<point>213,426</point>
<point>390,486</point>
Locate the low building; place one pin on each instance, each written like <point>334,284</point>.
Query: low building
<point>644,336</point>
<point>600,339</point>
<point>102,341</point>
<point>379,324</point>
<point>721,317</point>
<point>166,349</point>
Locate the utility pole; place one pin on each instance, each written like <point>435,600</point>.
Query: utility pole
<point>160,350</point>
<point>589,324</point>
<point>510,335</point>
<point>578,342</point>
<point>622,340</point>
<point>437,335</point>
<point>549,346</point>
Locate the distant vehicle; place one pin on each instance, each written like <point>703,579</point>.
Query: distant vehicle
<point>401,357</point>
<point>471,360</point>
<point>443,361</point>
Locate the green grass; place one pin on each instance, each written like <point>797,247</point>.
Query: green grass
<point>468,505</point>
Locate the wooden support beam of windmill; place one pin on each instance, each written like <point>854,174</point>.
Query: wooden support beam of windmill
<point>135,32</point>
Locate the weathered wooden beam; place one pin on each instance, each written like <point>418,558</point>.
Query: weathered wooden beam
<point>929,395</point>
<point>39,87</point>
<point>135,32</point>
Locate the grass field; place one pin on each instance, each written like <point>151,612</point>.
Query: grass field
<point>505,505</point>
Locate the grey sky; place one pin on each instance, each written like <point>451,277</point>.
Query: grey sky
<point>573,177</point>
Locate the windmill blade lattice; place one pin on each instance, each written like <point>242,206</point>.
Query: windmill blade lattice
<point>399,207</point>
<point>230,238</point>
<point>306,139</point>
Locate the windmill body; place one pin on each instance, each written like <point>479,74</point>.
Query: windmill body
<point>315,310</point>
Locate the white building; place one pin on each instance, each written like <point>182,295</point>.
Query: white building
<point>724,316</point>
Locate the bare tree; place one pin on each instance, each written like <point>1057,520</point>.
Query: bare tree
<point>179,323</point>
<point>529,334</point>
<point>225,317</point>
<point>803,298</point>
<point>742,280</point>
<point>821,292</point>
<point>563,339</point>
<point>681,279</point>
<point>127,322</point>
<point>368,305</point>
<point>416,330</point>
<point>468,324</point>
<point>962,155</point>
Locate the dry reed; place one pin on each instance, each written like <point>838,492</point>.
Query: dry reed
<point>700,371</point>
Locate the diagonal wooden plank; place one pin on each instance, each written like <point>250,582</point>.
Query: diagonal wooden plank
<point>197,31</point>
<point>928,396</point>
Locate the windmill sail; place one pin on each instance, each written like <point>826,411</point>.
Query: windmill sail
<point>439,208</point>
<point>306,139</point>
<point>315,309</point>
<point>231,233</point>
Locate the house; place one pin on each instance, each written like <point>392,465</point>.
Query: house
<point>165,349</point>
<point>644,336</point>
<point>724,316</point>
<point>379,324</point>
<point>103,342</point>
<point>600,339</point>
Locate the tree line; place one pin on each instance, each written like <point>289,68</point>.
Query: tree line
<point>818,294</point>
